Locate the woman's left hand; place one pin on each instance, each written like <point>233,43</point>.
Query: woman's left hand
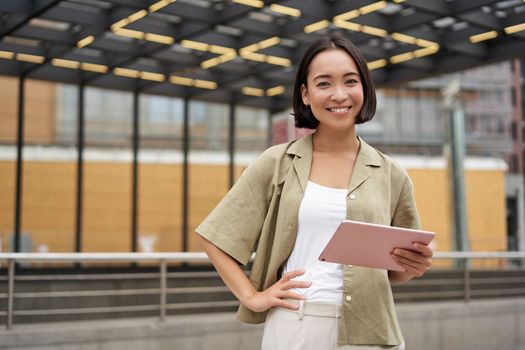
<point>415,261</point>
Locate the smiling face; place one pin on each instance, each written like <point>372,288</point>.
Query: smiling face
<point>334,90</point>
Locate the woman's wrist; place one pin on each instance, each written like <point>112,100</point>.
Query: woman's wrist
<point>244,297</point>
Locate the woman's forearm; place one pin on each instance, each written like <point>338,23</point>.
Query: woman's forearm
<point>399,276</point>
<point>229,270</point>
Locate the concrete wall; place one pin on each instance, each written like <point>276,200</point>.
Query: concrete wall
<point>480,325</point>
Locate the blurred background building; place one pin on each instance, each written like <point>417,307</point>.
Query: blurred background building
<point>409,125</point>
<point>138,117</point>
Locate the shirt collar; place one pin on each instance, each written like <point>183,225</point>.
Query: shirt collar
<point>366,158</point>
<point>367,154</point>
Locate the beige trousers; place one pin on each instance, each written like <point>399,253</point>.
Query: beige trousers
<point>312,327</point>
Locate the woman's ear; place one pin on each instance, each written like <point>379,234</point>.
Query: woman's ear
<point>304,95</point>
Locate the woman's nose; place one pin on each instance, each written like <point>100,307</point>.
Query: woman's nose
<point>339,93</point>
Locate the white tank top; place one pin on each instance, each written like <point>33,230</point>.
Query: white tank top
<point>320,213</point>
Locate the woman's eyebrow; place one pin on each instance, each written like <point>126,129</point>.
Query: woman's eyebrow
<point>324,76</point>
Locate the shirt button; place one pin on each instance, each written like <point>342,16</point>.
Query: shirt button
<point>352,196</point>
<point>348,298</point>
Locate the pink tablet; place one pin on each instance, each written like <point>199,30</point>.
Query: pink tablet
<point>369,245</point>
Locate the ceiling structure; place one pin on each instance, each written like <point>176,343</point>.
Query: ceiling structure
<point>246,51</point>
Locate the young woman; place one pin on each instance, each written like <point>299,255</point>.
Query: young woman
<point>288,203</point>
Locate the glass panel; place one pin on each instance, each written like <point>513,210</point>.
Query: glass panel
<point>208,161</point>
<point>8,125</point>
<point>160,174</point>
<point>389,110</point>
<point>374,127</point>
<point>48,203</point>
<point>67,116</point>
<point>251,137</point>
<point>40,109</point>
<point>107,171</point>
<point>430,114</point>
<point>408,117</point>
<point>9,110</point>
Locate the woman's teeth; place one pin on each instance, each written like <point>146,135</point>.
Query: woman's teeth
<point>339,109</point>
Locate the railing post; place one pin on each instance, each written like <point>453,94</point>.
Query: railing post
<point>163,288</point>
<point>10,293</point>
<point>466,279</point>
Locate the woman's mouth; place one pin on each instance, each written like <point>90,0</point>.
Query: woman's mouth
<point>339,109</point>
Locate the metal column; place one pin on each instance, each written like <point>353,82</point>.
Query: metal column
<point>80,168</point>
<point>19,164</point>
<point>11,268</point>
<point>231,145</point>
<point>457,132</point>
<point>455,151</point>
<point>135,172</point>
<point>185,174</point>
<point>163,289</point>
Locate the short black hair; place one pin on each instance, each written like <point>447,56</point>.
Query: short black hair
<point>303,115</point>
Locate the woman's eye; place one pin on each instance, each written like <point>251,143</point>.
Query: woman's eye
<point>323,84</point>
<point>352,81</point>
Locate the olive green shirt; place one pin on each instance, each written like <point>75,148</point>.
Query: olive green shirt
<point>260,214</point>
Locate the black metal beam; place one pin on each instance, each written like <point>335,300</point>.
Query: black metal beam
<point>18,7</point>
<point>231,144</point>
<point>466,48</point>
<point>190,30</point>
<point>437,8</point>
<point>46,34</point>
<point>135,172</point>
<point>470,5</point>
<point>513,19</point>
<point>406,23</point>
<point>185,173</point>
<point>137,4</point>
<point>91,20</point>
<point>481,20</point>
<point>80,168</point>
<point>257,27</point>
<point>199,23</point>
<point>187,11</point>
<point>35,12</point>
<point>19,164</point>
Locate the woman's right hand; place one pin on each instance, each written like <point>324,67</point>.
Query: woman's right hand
<point>274,295</point>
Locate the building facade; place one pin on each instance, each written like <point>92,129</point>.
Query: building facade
<point>409,125</point>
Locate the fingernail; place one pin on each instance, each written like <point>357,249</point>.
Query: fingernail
<point>416,245</point>
<point>396,251</point>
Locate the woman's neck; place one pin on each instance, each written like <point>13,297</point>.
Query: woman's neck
<point>335,142</point>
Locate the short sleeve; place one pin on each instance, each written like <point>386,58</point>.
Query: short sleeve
<point>235,224</point>
<point>406,214</point>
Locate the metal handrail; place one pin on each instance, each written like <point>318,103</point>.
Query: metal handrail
<point>185,257</point>
<point>76,257</point>
<point>202,257</point>
<point>162,258</point>
<point>477,255</point>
